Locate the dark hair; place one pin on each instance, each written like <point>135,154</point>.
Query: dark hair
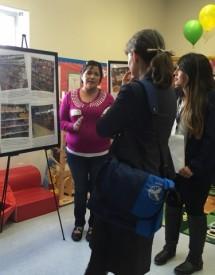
<point>92,63</point>
<point>200,73</point>
<point>149,45</point>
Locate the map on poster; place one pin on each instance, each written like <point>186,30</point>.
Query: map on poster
<point>28,100</point>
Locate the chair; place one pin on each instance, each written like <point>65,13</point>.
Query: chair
<point>31,198</point>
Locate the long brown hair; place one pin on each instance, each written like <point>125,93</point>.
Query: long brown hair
<point>199,71</point>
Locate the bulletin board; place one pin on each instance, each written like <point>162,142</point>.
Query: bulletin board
<point>28,100</point>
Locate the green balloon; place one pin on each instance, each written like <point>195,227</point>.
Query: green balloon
<point>193,31</point>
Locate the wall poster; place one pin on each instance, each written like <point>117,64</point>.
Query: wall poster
<point>28,100</point>
<point>116,71</point>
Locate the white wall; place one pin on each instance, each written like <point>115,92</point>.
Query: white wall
<point>85,29</point>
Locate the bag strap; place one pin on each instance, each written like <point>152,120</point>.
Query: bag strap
<point>151,92</point>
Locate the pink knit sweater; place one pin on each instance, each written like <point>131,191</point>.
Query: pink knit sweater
<point>86,140</point>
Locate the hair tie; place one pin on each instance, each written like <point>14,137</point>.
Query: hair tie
<point>159,50</point>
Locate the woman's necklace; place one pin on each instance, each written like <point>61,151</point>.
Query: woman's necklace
<point>88,97</point>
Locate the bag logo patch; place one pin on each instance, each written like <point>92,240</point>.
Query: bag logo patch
<point>155,193</point>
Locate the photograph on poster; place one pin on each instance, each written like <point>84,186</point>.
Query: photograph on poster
<point>29,100</point>
<point>12,72</point>
<point>14,120</point>
<point>42,75</point>
<point>74,81</point>
<point>116,71</point>
<point>42,120</point>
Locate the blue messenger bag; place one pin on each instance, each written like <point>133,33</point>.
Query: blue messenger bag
<point>130,197</point>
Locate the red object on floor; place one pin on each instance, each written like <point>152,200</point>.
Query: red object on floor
<point>31,198</point>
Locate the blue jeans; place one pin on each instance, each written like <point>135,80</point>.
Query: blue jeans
<point>84,171</point>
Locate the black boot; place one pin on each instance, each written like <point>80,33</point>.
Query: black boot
<point>172,226</point>
<point>197,231</point>
<point>187,268</point>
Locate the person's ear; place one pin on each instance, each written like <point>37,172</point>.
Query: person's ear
<point>81,78</point>
<point>135,57</point>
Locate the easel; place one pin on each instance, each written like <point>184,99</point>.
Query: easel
<point>4,193</point>
<point>55,198</point>
<point>5,185</point>
<point>63,180</point>
<point>24,40</point>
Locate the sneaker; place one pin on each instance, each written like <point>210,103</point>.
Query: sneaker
<point>77,233</point>
<point>89,234</point>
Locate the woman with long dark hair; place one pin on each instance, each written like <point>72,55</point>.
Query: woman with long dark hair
<point>197,120</point>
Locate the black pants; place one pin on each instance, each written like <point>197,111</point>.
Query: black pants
<point>193,195</point>
<point>84,171</point>
<point>118,250</point>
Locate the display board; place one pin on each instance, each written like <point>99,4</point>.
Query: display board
<point>28,100</point>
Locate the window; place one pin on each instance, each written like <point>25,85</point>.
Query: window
<point>14,23</point>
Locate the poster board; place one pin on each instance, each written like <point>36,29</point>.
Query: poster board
<point>116,71</point>
<point>28,100</point>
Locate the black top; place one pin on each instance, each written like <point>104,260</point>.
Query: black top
<point>200,153</point>
<point>136,135</point>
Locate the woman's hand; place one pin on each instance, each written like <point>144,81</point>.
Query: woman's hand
<point>185,172</point>
<point>77,124</point>
<point>127,78</point>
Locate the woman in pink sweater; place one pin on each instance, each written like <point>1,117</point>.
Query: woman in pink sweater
<point>86,151</point>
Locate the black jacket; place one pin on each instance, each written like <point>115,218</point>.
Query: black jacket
<point>200,153</point>
<point>136,135</point>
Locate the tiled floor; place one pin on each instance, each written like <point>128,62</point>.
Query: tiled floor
<point>36,247</point>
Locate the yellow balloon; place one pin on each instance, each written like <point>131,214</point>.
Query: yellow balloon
<point>207,17</point>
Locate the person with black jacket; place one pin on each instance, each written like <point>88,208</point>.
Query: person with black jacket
<point>197,119</point>
<point>137,142</point>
